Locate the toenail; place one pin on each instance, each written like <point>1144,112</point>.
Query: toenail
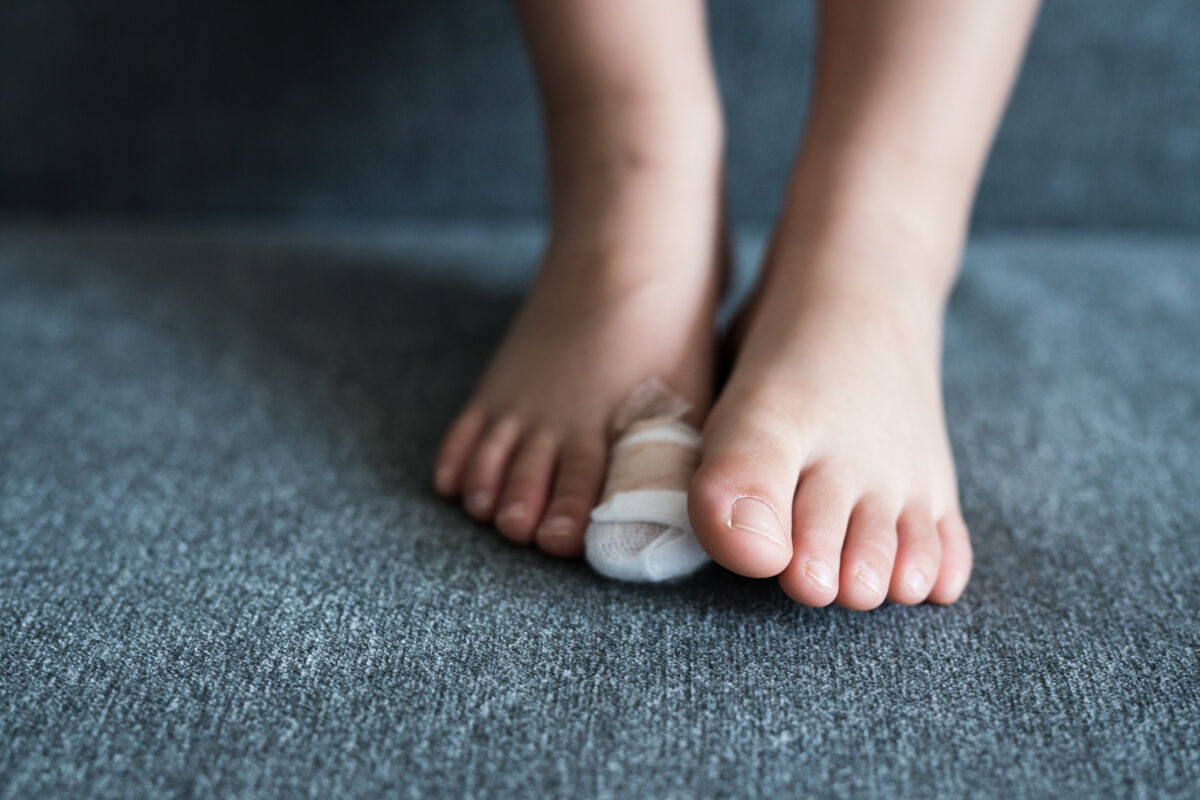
<point>479,502</point>
<point>867,577</point>
<point>558,527</point>
<point>915,580</point>
<point>820,572</point>
<point>512,511</point>
<point>753,515</point>
<point>959,578</point>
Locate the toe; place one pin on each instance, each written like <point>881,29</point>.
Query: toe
<point>868,555</point>
<point>576,489</point>
<point>819,518</point>
<point>741,497</point>
<point>918,557</point>
<point>527,486</point>
<point>956,559</point>
<point>456,449</point>
<point>485,473</point>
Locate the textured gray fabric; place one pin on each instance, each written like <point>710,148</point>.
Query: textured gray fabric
<point>386,107</point>
<point>222,573</point>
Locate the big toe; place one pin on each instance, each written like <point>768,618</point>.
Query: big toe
<point>740,498</point>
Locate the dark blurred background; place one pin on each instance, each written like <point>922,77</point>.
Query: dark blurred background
<point>380,109</point>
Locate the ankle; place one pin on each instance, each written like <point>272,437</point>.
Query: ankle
<point>636,189</point>
<point>862,261</point>
<point>878,228</point>
<point>631,135</point>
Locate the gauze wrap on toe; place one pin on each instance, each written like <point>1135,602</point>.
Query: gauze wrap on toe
<point>640,531</point>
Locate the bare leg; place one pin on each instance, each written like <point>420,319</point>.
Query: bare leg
<point>826,457</point>
<point>629,280</point>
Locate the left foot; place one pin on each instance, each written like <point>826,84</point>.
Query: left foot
<point>826,459</point>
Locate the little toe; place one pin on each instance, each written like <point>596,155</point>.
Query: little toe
<point>485,473</point>
<point>819,518</point>
<point>455,451</point>
<point>576,489</point>
<point>740,498</point>
<point>527,486</point>
<point>957,559</point>
<point>867,556</point>
<point>918,557</point>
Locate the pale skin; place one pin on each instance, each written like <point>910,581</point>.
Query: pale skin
<point>825,460</point>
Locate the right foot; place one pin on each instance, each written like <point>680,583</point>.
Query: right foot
<point>627,290</point>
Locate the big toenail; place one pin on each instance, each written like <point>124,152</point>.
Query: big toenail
<point>558,527</point>
<point>867,577</point>
<point>753,515</point>
<point>479,502</point>
<point>820,572</point>
<point>915,580</point>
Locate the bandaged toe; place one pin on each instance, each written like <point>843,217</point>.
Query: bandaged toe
<point>640,531</point>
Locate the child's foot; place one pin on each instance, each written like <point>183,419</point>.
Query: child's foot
<point>627,290</point>
<point>826,459</point>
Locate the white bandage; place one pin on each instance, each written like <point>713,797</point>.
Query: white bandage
<point>640,531</point>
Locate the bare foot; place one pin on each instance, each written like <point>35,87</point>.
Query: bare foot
<point>627,290</point>
<point>826,460</point>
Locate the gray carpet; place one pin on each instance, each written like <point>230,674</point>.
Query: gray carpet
<point>222,574</point>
